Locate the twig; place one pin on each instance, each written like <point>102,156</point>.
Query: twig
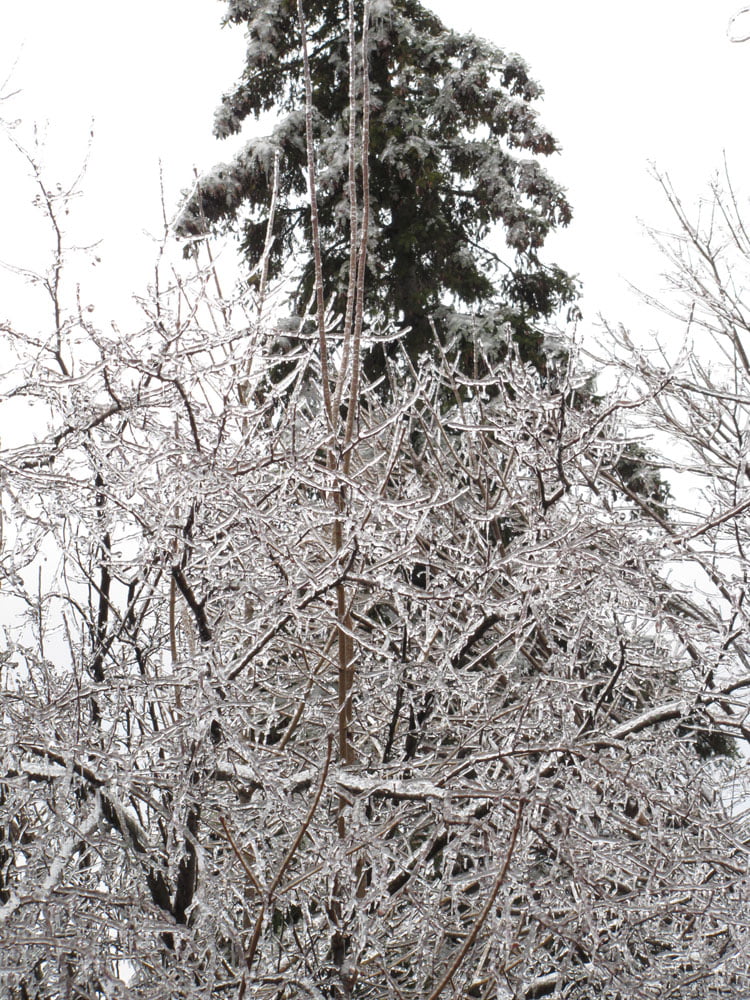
<point>472,936</point>
<point>306,822</point>
<point>240,856</point>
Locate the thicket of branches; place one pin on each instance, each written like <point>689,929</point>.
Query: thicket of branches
<point>314,690</point>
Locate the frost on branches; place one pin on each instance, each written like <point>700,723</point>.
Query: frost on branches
<point>417,720</point>
<point>314,690</point>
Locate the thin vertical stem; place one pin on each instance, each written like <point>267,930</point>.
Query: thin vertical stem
<point>362,253</point>
<point>317,253</point>
<point>269,237</point>
<point>351,291</point>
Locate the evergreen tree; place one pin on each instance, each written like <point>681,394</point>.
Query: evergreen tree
<point>452,136</point>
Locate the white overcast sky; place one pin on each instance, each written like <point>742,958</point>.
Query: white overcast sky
<point>626,84</point>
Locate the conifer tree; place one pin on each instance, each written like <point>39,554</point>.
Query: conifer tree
<point>454,139</point>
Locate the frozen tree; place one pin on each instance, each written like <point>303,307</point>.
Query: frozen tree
<point>454,140</point>
<point>301,698</point>
<point>698,397</point>
<point>311,689</point>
